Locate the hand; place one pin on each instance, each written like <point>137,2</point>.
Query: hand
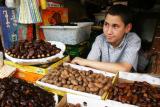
<point>78,60</point>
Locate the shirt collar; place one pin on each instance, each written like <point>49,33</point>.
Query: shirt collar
<point>123,42</point>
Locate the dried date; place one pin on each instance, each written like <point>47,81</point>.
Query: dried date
<point>18,93</point>
<point>138,93</point>
<point>32,50</point>
<point>85,81</point>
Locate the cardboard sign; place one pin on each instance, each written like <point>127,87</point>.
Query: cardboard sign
<point>53,16</point>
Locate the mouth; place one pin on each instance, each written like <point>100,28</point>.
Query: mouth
<point>109,37</point>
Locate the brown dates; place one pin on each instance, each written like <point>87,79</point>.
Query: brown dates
<point>32,50</point>
<point>85,81</point>
<point>18,93</point>
<point>138,93</point>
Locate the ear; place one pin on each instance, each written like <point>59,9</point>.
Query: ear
<point>128,27</point>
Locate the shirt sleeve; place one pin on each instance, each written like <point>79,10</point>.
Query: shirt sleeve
<point>95,52</point>
<point>131,51</point>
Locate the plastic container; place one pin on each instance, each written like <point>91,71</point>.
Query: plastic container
<point>70,35</point>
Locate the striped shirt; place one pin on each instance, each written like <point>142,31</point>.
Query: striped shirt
<point>126,51</point>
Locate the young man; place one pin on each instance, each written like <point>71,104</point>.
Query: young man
<point>117,48</point>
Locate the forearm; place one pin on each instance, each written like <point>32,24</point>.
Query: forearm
<point>109,67</point>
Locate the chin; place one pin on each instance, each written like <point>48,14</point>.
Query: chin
<point>110,40</point>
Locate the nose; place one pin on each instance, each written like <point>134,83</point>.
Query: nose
<point>109,30</point>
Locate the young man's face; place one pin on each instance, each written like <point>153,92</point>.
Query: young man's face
<point>114,29</point>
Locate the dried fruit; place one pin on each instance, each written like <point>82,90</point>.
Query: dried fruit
<point>138,93</point>
<point>32,50</point>
<point>85,81</point>
<point>18,93</point>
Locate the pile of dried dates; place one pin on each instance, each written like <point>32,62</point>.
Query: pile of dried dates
<point>85,81</point>
<point>32,50</point>
<point>18,93</point>
<point>138,93</point>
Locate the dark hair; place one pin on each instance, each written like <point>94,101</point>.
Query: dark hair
<point>123,11</point>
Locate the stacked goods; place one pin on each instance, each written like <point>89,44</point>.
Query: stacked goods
<point>79,80</point>
<point>138,93</point>
<point>18,93</point>
<point>32,50</point>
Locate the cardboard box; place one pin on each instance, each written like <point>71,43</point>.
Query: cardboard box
<point>139,77</point>
<point>28,76</point>
<point>41,69</point>
<point>89,102</point>
<point>62,91</point>
<point>126,77</point>
<point>92,102</point>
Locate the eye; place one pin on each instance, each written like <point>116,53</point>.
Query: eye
<point>115,26</point>
<point>105,24</point>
